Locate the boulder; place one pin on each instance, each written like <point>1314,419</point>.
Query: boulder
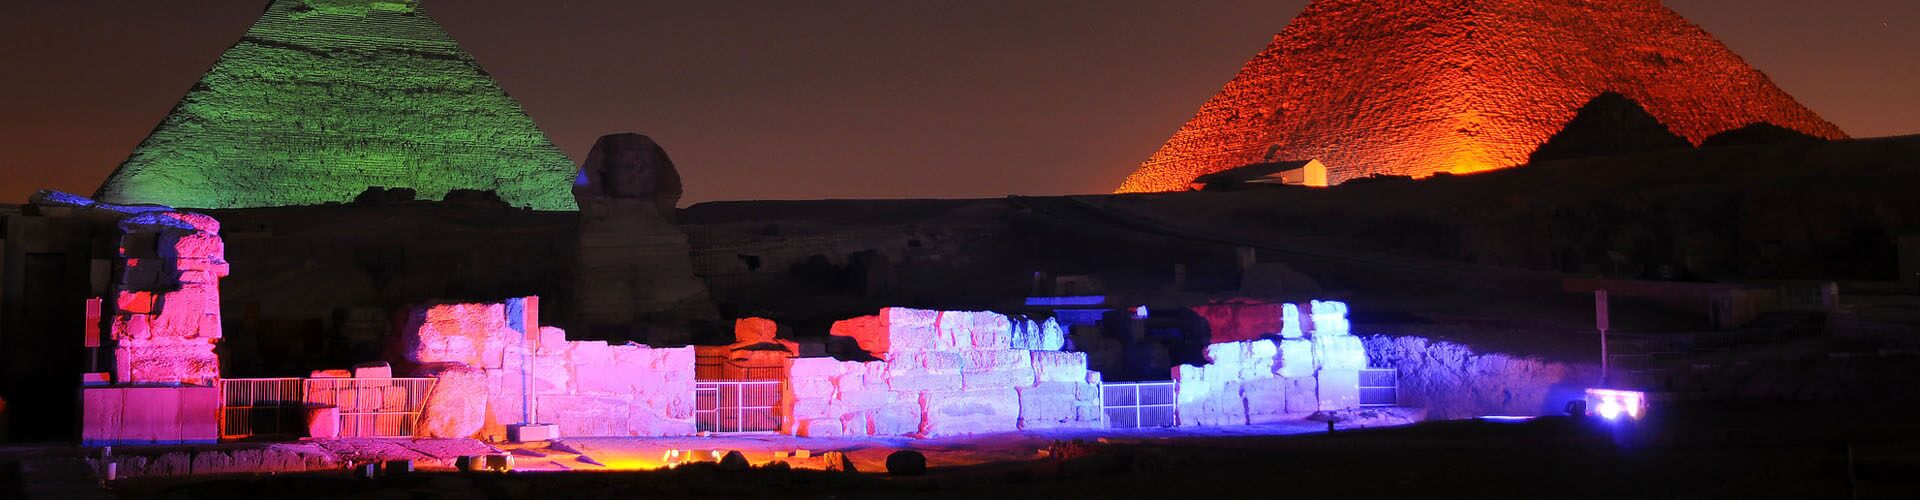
<point>906,463</point>
<point>754,330</point>
<point>457,406</point>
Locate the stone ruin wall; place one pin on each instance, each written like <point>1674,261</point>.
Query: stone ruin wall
<point>1432,86</point>
<point>1452,381</point>
<point>479,354</point>
<point>166,321</point>
<point>1314,366</point>
<point>943,373</point>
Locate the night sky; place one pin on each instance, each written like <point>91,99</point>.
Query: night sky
<point>782,99</point>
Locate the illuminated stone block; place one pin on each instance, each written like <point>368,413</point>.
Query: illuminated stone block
<point>1339,389</point>
<point>896,419</point>
<point>893,329</point>
<point>1339,352</point>
<point>1295,358</point>
<point>974,330</point>
<point>754,330</point>
<point>1056,366</point>
<point>951,413</point>
<point>996,369</point>
<point>457,406</point>
<point>924,371</point>
<point>1266,400</point>
<point>1060,405</point>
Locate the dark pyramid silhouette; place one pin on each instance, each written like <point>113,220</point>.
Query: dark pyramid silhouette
<point>1609,124</point>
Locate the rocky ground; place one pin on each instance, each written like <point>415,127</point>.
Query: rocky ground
<point>1683,451</point>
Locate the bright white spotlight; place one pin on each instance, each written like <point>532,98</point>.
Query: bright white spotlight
<point>1611,404</point>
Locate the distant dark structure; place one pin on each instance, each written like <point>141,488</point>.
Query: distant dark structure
<point>1609,124</point>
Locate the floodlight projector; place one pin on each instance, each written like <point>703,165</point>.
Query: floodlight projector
<point>1617,404</point>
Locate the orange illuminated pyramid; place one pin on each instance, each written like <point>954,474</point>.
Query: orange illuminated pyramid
<point>1418,87</point>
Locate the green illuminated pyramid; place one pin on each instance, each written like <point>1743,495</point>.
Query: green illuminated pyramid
<point>322,99</point>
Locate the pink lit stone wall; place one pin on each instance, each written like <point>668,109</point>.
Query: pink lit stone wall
<point>167,317</point>
<point>943,373</point>
<point>480,355</point>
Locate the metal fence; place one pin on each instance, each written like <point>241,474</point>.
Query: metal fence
<point>1379,387</point>
<point>369,407</point>
<point>262,407</point>
<point>737,406</point>
<point>1138,405</point>
<point>710,367</point>
<point>372,407</point>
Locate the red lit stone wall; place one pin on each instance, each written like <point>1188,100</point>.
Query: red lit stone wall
<point>1420,87</point>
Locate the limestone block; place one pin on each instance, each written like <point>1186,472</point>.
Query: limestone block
<point>584,416</point>
<point>158,361</point>
<point>894,329</point>
<point>1266,400</point>
<point>1339,389</point>
<point>1303,394</point>
<point>1059,404</point>
<point>810,408</point>
<point>1189,372</point>
<point>820,427</point>
<point>457,333</point>
<point>1295,359</point>
<point>553,342</point>
<point>951,413</point>
<point>666,415</point>
<point>1226,353</point>
<point>754,330</point>
<point>899,418</point>
<point>1057,366</point>
<point>135,302</point>
<point>851,402</point>
<point>1339,352</point>
<point>1209,403</point>
<point>1330,318</point>
<point>132,326</point>
<point>856,424</point>
<point>377,369</point>
<point>814,377</point>
<point>1259,359</point>
<point>924,371</point>
<point>1290,322</point>
<point>997,369</point>
<point>974,330</point>
<point>457,406</point>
